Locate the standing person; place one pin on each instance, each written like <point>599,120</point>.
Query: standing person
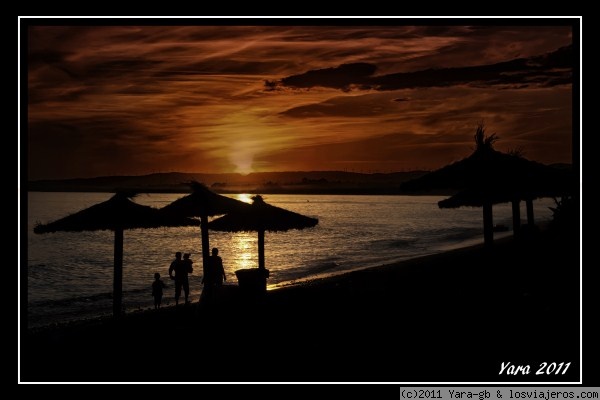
<point>187,262</point>
<point>181,277</point>
<point>214,275</point>
<point>157,290</point>
<point>217,268</point>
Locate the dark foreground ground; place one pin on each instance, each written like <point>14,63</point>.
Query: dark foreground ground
<point>450,317</point>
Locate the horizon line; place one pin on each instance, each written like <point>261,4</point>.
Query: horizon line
<point>351,171</point>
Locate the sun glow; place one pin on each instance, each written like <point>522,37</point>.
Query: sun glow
<point>243,164</point>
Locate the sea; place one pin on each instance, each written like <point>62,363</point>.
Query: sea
<point>69,275</point>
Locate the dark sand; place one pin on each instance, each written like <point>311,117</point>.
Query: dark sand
<point>454,316</point>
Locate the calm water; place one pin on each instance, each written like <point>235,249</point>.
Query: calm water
<point>70,274</point>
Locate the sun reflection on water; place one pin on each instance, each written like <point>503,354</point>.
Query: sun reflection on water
<point>245,249</point>
<point>245,197</point>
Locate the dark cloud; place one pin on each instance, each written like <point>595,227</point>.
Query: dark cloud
<point>118,67</point>
<point>46,57</point>
<point>537,120</point>
<point>223,67</point>
<point>367,105</point>
<point>341,77</point>
<point>108,145</point>
<point>545,70</point>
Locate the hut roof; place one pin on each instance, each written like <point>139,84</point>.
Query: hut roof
<point>475,198</point>
<point>262,216</point>
<point>118,212</point>
<point>203,202</point>
<point>488,171</point>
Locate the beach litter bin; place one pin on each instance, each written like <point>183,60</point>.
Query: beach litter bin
<point>252,281</point>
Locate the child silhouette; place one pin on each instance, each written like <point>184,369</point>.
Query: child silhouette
<point>157,290</point>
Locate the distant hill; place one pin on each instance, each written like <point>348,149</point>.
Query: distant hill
<point>317,182</point>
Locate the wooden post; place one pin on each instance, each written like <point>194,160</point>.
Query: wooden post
<point>261,249</point>
<point>118,274</point>
<point>488,224</point>
<point>516,216</point>
<point>205,244</point>
<point>529,204</point>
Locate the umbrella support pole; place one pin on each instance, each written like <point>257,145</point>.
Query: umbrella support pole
<point>516,216</point>
<point>205,243</point>
<point>118,274</point>
<point>529,204</point>
<point>488,224</point>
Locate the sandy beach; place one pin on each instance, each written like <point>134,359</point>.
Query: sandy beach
<point>454,316</point>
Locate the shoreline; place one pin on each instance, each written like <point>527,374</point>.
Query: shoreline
<point>464,244</point>
<point>468,308</point>
<point>289,285</point>
<point>387,243</point>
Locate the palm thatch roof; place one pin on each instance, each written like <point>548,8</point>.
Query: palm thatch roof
<point>202,202</point>
<point>261,216</point>
<point>475,198</point>
<point>495,174</point>
<point>118,212</point>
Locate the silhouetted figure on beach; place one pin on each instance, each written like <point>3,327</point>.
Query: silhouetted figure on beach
<point>181,269</point>
<point>214,275</point>
<point>217,268</point>
<point>157,290</point>
<point>187,262</point>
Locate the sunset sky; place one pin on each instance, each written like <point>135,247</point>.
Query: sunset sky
<point>135,100</point>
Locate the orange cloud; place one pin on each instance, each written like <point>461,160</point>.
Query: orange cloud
<point>135,100</point>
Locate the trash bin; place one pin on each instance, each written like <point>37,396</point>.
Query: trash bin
<point>252,281</point>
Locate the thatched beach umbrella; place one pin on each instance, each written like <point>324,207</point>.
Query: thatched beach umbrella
<point>261,217</point>
<point>480,198</point>
<point>474,198</point>
<point>116,214</point>
<point>489,177</point>
<point>203,203</point>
